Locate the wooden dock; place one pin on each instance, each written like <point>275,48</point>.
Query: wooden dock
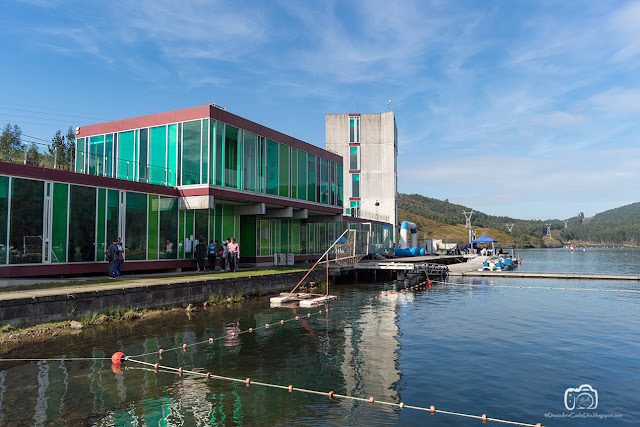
<point>527,275</point>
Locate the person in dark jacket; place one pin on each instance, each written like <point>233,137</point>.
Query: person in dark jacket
<point>113,255</point>
<point>201,252</point>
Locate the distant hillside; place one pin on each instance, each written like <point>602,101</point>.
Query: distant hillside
<point>438,219</point>
<point>619,226</point>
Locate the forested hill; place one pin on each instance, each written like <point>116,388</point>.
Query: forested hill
<point>613,227</point>
<point>439,219</point>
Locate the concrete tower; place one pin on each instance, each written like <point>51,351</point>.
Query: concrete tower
<point>368,144</point>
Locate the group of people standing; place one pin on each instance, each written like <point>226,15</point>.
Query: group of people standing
<point>228,252</point>
<point>115,256</point>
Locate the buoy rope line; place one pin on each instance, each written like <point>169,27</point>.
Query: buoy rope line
<point>184,346</point>
<point>330,394</point>
<point>64,359</point>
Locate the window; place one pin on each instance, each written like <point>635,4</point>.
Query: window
<point>191,148</point>
<point>168,227</point>
<point>4,215</point>
<point>136,230</point>
<point>158,155</point>
<point>284,170</point>
<point>25,228</point>
<point>142,159</point>
<point>231,138</point>
<point>354,158</point>
<point>125,155</point>
<point>82,223</point>
<point>355,185</point>
<point>311,173</point>
<point>354,130</point>
<point>324,181</point>
<point>272,167</point>
<point>249,161</point>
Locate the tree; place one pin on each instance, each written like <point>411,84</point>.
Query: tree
<point>11,142</point>
<point>33,155</point>
<point>63,148</point>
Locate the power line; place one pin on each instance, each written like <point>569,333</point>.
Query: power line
<point>52,114</point>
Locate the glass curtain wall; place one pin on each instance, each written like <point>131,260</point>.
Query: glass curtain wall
<point>25,228</point>
<point>191,149</point>
<point>153,225</point>
<point>112,215</point>
<point>158,155</point>
<point>172,154</point>
<point>311,183</point>
<point>272,167</point>
<point>82,220</point>
<point>4,216</point>
<point>231,146</point>
<point>250,161</point>
<point>302,175</point>
<point>136,226</point>
<point>59,223</point>
<point>168,227</point>
<point>125,155</point>
<point>284,170</point>
<point>324,181</point>
<point>143,151</point>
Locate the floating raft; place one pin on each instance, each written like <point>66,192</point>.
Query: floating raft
<point>305,300</point>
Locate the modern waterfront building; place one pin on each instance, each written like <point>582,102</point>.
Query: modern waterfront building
<point>369,145</point>
<point>163,181</point>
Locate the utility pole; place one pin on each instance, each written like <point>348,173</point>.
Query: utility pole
<point>467,215</point>
<point>548,230</point>
<point>510,226</point>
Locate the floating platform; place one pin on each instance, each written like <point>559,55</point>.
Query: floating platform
<point>303,299</point>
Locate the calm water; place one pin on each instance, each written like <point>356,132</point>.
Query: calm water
<point>587,260</point>
<point>507,352</point>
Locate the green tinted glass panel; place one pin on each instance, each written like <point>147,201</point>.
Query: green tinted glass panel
<point>231,157</point>
<point>355,185</point>
<point>302,175</point>
<point>205,151</point>
<point>311,173</point>
<point>96,155</point>
<point>108,154</point>
<point>218,226</point>
<point>112,214</point>
<point>212,151</point>
<point>284,171</point>
<point>154,215</point>
<point>212,225</point>
<point>294,173</point>
<point>202,225</point>
<point>181,225</point>
<point>135,238</point>
<point>228,222</point>
<point>264,237</point>
<point>340,187</point>
<point>324,181</point>
<point>158,155</point>
<point>191,152</point>
<point>100,224</point>
<point>168,227</point>
<point>321,240</point>
<point>333,184</point>
<point>295,236</point>
<point>219,154</point>
<point>247,238</point>
<point>272,167</point>
<point>311,238</point>
<point>261,165</point>
<point>4,216</point>
<point>274,235</point>
<point>25,233</point>
<point>172,153</point>
<point>143,155</point>
<point>82,224</point>
<point>249,161</point>
<point>189,235</point>
<point>126,147</point>
<point>303,238</point>
<point>80,155</point>
<point>284,235</point>
<point>353,158</point>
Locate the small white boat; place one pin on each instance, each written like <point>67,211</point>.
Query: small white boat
<point>317,300</point>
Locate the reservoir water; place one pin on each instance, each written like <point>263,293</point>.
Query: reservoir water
<point>508,352</point>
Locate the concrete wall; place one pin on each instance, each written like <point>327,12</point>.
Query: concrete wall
<point>73,306</point>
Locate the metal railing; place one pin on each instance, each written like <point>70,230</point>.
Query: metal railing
<point>359,213</point>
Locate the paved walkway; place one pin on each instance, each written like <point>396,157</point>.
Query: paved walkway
<point>75,285</point>
<point>473,264</point>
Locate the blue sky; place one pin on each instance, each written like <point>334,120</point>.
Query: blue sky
<point>526,109</point>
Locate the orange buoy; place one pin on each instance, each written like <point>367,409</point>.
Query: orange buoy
<point>308,314</point>
<point>247,381</point>
<point>118,357</point>
<point>250,329</point>
<point>266,326</point>
<point>156,366</point>
<point>210,340</point>
<point>233,334</point>
<point>115,368</point>
<point>208,375</point>
<point>320,312</point>
<point>371,400</point>
<point>331,395</point>
<point>180,371</point>
<point>290,388</point>
<point>184,347</point>
<point>432,409</point>
<point>160,351</point>
<point>282,322</point>
<point>430,283</point>
<point>484,418</point>
<point>297,317</point>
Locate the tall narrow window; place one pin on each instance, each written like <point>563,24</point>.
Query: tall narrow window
<point>355,185</point>
<point>354,129</point>
<point>354,158</point>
